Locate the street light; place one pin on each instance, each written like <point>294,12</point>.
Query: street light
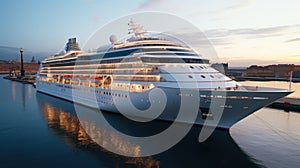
<point>22,66</point>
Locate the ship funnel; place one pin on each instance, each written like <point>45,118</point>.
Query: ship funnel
<point>72,45</point>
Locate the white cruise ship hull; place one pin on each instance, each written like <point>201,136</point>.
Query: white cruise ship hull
<point>220,109</point>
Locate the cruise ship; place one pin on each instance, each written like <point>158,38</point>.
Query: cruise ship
<point>126,73</point>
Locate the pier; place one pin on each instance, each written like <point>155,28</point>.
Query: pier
<point>11,69</point>
<point>287,104</point>
<point>25,79</point>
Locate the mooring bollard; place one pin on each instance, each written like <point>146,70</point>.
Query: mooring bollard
<point>286,106</point>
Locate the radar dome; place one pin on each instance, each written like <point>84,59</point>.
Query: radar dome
<point>113,39</point>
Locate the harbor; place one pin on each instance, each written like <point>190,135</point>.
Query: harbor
<point>61,118</point>
<point>150,84</point>
<point>39,123</point>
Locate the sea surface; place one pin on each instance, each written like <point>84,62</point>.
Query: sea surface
<point>38,130</point>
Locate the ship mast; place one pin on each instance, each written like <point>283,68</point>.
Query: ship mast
<point>136,30</point>
<point>291,80</point>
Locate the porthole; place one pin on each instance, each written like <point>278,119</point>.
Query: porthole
<point>190,76</point>
<point>202,76</point>
<point>191,67</point>
<point>211,76</point>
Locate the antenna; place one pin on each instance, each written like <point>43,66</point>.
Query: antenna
<point>135,29</point>
<point>291,79</point>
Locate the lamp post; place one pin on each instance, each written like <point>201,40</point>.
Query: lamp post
<point>22,66</point>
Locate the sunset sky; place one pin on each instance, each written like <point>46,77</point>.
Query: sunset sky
<point>243,32</point>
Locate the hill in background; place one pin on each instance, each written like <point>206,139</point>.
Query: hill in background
<point>13,53</point>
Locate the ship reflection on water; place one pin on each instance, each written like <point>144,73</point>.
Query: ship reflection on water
<point>218,151</point>
<point>65,124</point>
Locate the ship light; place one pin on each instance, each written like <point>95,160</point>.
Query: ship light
<point>151,86</point>
<point>157,78</point>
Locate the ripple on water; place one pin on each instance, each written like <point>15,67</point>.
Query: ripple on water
<point>271,136</point>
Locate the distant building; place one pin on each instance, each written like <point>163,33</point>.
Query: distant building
<point>280,70</point>
<point>32,60</point>
<point>14,67</point>
<point>237,71</point>
<point>221,67</point>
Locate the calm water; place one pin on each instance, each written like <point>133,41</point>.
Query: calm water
<point>37,130</point>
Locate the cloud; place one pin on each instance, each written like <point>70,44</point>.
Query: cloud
<point>226,37</point>
<point>251,32</point>
<point>220,41</point>
<point>149,4</point>
<point>293,40</point>
<point>238,4</point>
<point>171,4</point>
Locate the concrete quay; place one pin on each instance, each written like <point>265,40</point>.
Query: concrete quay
<point>287,104</point>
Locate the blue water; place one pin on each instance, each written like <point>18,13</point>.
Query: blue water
<point>37,130</point>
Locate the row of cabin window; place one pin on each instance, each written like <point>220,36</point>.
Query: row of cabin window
<point>111,94</point>
<point>198,67</point>
<point>203,76</point>
<point>97,91</point>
